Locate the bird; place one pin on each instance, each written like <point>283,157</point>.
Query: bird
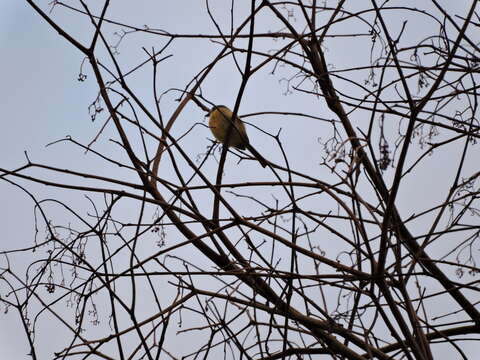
<point>234,132</point>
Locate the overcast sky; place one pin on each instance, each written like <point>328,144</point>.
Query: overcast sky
<point>43,101</point>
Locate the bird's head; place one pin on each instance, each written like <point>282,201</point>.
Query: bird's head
<point>219,108</point>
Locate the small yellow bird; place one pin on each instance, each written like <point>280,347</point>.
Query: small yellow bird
<point>220,122</point>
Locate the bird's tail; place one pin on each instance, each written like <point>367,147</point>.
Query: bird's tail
<point>257,156</point>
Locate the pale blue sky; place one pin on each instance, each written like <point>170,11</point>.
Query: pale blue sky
<point>42,102</point>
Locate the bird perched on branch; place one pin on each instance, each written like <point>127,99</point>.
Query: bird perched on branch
<point>230,131</point>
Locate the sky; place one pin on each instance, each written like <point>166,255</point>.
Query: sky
<point>43,102</point>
